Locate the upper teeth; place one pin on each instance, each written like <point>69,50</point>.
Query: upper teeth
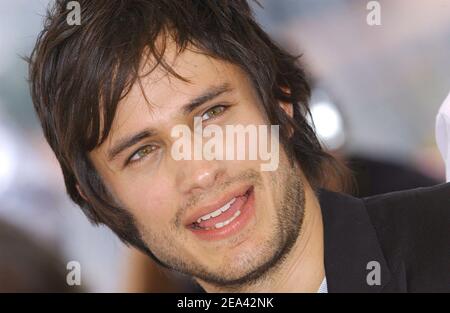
<point>217,212</point>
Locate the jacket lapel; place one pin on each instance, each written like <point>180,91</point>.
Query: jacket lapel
<point>352,251</point>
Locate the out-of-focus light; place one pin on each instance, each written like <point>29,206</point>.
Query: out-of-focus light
<point>328,124</point>
<point>7,163</point>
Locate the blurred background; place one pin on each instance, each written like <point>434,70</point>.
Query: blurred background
<point>377,90</point>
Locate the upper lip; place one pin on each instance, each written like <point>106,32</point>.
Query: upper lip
<point>213,206</point>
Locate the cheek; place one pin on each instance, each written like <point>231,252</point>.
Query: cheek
<point>148,201</point>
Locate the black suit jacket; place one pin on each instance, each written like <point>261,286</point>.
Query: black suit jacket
<point>406,232</point>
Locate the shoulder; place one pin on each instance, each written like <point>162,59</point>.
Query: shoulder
<point>413,228</point>
<point>411,210</point>
<point>437,197</point>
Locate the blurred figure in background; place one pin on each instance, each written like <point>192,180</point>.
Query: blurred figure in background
<point>28,266</point>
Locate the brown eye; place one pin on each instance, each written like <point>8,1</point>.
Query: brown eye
<point>213,112</point>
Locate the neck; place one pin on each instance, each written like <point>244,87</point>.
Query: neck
<point>303,268</point>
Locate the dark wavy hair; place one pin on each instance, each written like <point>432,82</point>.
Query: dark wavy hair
<point>78,75</point>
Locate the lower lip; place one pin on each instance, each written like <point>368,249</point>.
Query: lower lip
<point>247,211</point>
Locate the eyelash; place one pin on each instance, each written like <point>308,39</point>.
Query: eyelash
<point>224,106</point>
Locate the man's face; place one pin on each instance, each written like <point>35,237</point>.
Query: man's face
<point>259,214</point>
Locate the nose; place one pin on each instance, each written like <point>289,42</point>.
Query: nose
<point>197,176</point>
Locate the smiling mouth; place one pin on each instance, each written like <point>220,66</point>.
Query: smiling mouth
<point>228,219</point>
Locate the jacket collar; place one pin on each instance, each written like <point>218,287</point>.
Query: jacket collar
<point>350,243</point>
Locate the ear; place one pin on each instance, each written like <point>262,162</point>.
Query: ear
<point>286,106</point>
<point>81,193</point>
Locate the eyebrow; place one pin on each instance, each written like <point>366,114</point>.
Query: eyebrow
<point>130,141</point>
<point>208,95</point>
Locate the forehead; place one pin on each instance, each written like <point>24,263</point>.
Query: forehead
<point>161,92</point>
